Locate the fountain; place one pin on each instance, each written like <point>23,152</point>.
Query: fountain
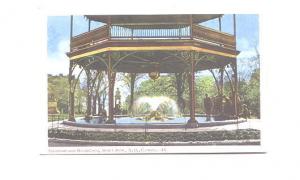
<point>158,108</point>
<point>150,112</point>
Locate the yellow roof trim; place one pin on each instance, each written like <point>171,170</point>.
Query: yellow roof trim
<point>153,48</point>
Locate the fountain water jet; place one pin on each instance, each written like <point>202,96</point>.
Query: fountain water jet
<point>155,108</point>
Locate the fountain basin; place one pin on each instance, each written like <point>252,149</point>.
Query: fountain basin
<point>128,122</point>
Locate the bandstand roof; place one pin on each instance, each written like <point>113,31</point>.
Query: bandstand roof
<point>161,45</point>
<point>153,19</point>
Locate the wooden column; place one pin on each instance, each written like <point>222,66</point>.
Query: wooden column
<point>222,80</point>
<point>220,27</point>
<point>71,28</point>
<point>88,96</point>
<point>111,82</point>
<point>192,123</point>
<point>220,24</point>
<point>71,95</point>
<point>71,91</point>
<point>94,111</point>
<point>99,105</point>
<point>193,98</point>
<point>191,26</point>
<point>235,73</point>
<point>89,27</point>
<point>234,26</point>
<point>109,28</point>
<point>235,89</point>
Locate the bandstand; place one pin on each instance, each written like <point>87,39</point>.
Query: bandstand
<point>150,44</point>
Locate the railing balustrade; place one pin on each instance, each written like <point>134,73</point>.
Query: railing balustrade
<point>149,32</point>
<point>89,38</point>
<point>212,36</point>
<point>152,32</point>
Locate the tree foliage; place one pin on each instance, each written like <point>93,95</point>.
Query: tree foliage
<point>58,86</point>
<point>204,85</point>
<point>251,92</point>
<point>163,86</point>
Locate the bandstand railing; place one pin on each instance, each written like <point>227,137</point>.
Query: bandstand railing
<point>152,32</point>
<point>90,38</point>
<point>212,36</point>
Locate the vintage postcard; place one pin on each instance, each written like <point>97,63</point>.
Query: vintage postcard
<point>160,83</point>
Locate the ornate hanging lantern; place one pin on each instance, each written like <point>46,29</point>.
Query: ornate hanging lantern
<point>155,74</point>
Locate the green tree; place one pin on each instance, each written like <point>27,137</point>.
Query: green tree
<point>204,85</point>
<point>58,86</point>
<point>252,93</point>
<point>163,86</point>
